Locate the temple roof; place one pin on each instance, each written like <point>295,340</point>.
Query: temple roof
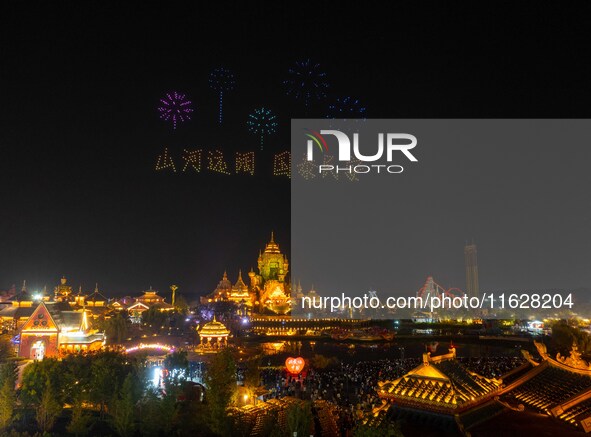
<point>272,247</point>
<point>441,384</point>
<point>214,329</point>
<point>224,284</point>
<point>240,285</point>
<point>23,295</point>
<point>17,312</point>
<point>96,296</point>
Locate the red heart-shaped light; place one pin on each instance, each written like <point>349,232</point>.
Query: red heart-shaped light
<point>295,365</point>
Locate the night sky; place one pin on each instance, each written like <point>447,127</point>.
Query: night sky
<point>80,134</point>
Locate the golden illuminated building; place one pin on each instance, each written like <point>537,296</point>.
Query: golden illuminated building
<point>269,290</point>
<point>54,329</point>
<point>63,292</point>
<point>213,335</point>
<point>441,385</point>
<point>149,299</point>
<point>14,316</point>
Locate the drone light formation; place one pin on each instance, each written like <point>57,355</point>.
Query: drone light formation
<point>306,81</point>
<point>346,108</point>
<point>262,122</point>
<point>175,108</point>
<point>221,80</point>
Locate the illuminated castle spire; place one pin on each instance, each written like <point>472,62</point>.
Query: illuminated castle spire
<point>272,263</point>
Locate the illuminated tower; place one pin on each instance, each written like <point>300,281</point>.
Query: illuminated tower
<point>471,262</point>
<point>272,263</point>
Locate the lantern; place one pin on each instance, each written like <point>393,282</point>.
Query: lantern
<point>295,365</point>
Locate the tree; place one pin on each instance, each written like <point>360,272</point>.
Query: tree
<point>565,336</point>
<point>123,409</point>
<point>181,305</point>
<point>225,308</point>
<point>252,376</point>
<point>108,371</point>
<point>299,418</point>
<point>35,379</point>
<point>6,349</point>
<point>49,408</point>
<point>220,380</point>
<point>154,318</point>
<point>7,403</point>
<point>117,328</point>
<point>80,422</point>
<point>157,414</point>
<point>177,365</point>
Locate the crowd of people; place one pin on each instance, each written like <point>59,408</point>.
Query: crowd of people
<point>353,385</point>
<point>492,367</point>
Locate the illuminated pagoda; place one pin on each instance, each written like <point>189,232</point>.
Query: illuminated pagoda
<point>149,299</point>
<point>439,385</point>
<point>95,303</point>
<point>213,335</point>
<point>54,329</point>
<point>269,290</point>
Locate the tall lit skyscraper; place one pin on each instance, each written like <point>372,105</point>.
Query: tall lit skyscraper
<point>471,262</point>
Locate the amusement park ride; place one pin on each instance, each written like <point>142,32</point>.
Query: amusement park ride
<point>432,289</point>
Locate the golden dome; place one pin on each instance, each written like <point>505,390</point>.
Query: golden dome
<point>214,329</point>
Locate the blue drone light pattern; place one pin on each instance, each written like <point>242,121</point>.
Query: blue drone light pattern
<point>306,81</point>
<point>222,81</point>
<point>262,122</point>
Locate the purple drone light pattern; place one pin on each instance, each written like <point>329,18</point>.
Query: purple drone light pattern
<point>175,107</point>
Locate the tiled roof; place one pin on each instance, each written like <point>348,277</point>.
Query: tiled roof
<point>444,385</point>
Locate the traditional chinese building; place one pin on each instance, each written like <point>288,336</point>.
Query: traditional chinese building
<point>269,290</point>
<point>149,299</point>
<point>17,311</point>
<point>54,329</point>
<point>440,385</point>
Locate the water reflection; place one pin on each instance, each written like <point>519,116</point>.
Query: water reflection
<point>372,351</point>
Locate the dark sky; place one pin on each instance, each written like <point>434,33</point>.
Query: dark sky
<point>79,132</point>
